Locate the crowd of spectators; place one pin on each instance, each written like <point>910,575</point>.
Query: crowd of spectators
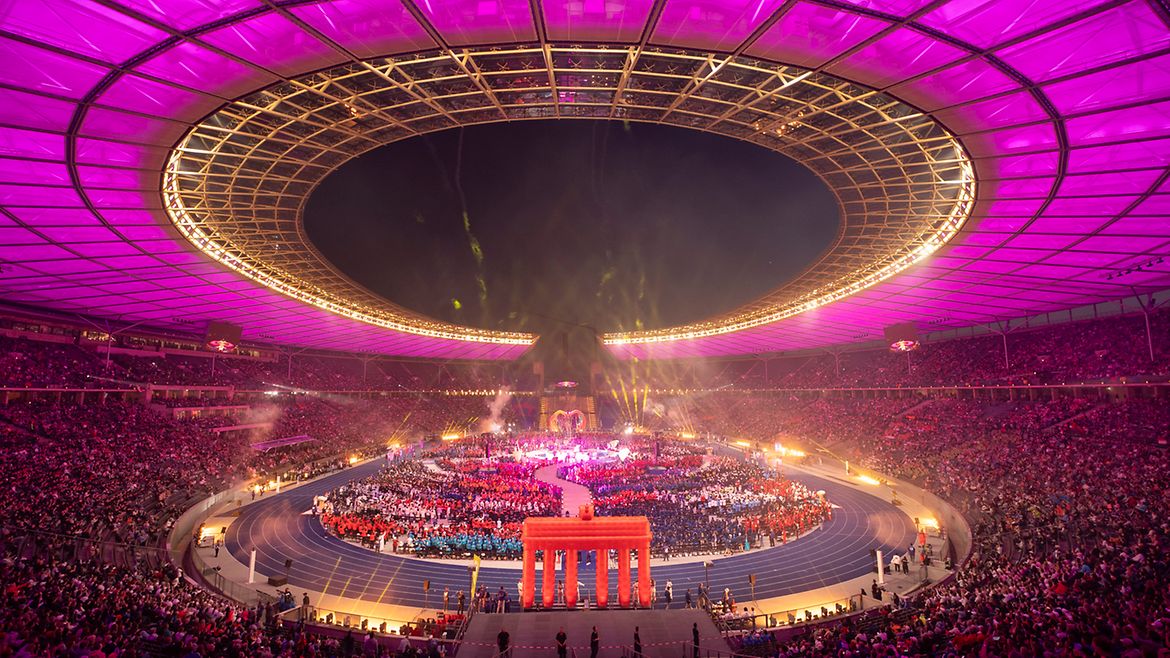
<point>88,608</point>
<point>58,362</point>
<point>111,470</point>
<point>39,364</point>
<point>188,402</point>
<point>1095,350</point>
<point>88,493</point>
<point>1134,420</point>
<point>1109,349</point>
<point>767,416</point>
<point>1071,527</point>
<point>1066,497</point>
<point>103,469</point>
<point>307,371</point>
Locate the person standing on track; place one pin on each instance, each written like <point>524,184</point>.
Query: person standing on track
<point>562,644</point>
<point>594,643</point>
<point>503,641</point>
<point>695,637</point>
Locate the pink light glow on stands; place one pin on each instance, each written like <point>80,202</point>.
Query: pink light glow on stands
<point>85,231</point>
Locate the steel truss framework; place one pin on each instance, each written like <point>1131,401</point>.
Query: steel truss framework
<point>236,185</point>
<point>1062,106</point>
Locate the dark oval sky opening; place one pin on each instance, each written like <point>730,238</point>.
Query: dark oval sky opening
<point>529,225</point>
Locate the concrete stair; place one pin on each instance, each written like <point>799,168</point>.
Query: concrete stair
<point>664,633</point>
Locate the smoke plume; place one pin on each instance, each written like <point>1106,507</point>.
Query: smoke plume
<point>496,409</point>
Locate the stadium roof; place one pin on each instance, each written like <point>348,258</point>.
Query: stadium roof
<point>992,159</point>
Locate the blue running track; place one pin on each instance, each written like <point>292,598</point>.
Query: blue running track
<point>277,528</point>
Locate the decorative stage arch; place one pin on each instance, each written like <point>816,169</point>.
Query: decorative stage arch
<point>568,421</point>
<point>585,533</point>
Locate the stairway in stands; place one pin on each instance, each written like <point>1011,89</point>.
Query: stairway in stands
<point>664,633</point>
<point>1065,421</point>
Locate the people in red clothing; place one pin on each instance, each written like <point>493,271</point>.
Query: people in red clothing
<point>700,504</point>
<point>448,507</point>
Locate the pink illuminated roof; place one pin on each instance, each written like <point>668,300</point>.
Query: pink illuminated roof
<point>1063,107</point>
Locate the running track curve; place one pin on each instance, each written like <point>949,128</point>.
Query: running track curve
<point>278,528</point>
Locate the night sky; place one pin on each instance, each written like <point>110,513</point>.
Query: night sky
<point>527,225</point>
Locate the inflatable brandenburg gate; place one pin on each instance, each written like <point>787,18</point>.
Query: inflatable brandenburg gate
<point>586,533</point>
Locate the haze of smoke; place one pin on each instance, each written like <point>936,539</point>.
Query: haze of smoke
<point>496,409</point>
<point>676,416</point>
<point>654,408</point>
<point>264,413</point>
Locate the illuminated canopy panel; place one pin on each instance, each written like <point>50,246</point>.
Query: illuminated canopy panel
<point>1062,106</point>
<point>236,184</point>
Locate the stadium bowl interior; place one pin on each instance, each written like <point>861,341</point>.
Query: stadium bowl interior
<point>1002,174</point>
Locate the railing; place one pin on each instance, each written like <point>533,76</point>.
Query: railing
<point>350,619</point>
<point>190,519</point>
<point>683,649</point>
<point>954,523</point>
<point>69,548</point>
<point>386,630</point>
<point>815,613</point>
<point>241,592</point>
<point>179,538</point>
<point>711,549</point>
<point>26,543</point>
<point>462,630</point>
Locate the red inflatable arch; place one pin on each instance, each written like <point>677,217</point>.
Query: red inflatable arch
<point>585,533</point>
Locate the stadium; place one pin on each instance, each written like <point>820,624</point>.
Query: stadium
<point>717,328</point>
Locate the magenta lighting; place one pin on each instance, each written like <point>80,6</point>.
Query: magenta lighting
<point>1061,108</point>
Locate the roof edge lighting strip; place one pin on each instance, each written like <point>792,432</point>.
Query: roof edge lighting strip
<point>929,244</point>
<point>209,244</point>
<point>235,185</point>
